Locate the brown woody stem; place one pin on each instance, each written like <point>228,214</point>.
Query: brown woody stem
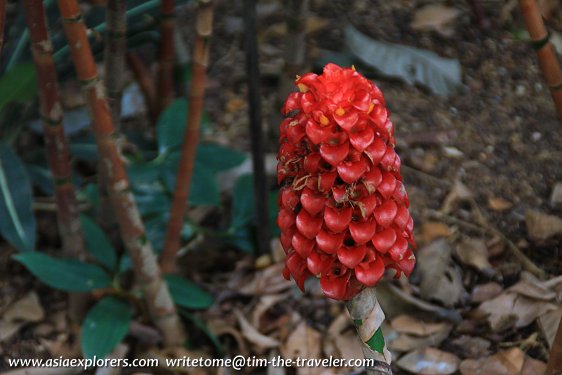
<point>204,29</point>
<point>68,215</point>
<point>548,61</point>
<point>367,316</point>
<point>156,295</point>
<point>166,64</point>
<point>554,366</point>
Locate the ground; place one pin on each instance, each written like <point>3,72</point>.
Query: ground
<point>479,167</point>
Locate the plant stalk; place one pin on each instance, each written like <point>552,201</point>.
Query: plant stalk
<point>166,63</point>
<point>256,133</point>
<point>204,30</point>
<point>114,56</point>
<point>58,151</point>
<point>367,316</point>
<point>554,366</point>
<point>156,295</point>
<point>548,61</point>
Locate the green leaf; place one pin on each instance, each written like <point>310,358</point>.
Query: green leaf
<point>69,275</point>
<point>17,223</point>
<point>242,238</point>
<point>105,325</point>
<point>413,65</point>
<point>376,342</point>
<point>156,231</point>
<point>98,244</point>
<point>170,126</point>
<point>84,151</point>
<point>218,158</point>
<point>151,204</point>
<point>41,177</point>
<point>19,84</point>
<point>187,294</point>
<point>204,190</point>
<point>243,202</point>
<point>272,211</point>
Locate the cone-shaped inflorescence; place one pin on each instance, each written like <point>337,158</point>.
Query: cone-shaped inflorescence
<point>343,211</point>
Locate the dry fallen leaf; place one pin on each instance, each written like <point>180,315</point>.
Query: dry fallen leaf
<point>264,304</point>
<point>513,310</point>
<point>440,277</point>
<point>267,281</point>
<point>432,230</point>
<point>533,367</point>
<point>471,347</point>
<point>435,17</point>
<point>429,361</point>
<point>303,342</point>
<point>410,325</point>
<point>541,226</point>
<point>459,193</point>
<point>549,324</point>
<point>405,342</point>
<point>8,329</point>
<point>499,204</point>
<point>474,252</point>
<point>530,286</point>
<point>484,292</point>
<point>253,335</point>
<point>26,309</point>
<point>508,362</point>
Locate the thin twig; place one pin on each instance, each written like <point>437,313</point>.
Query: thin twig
<point>256,133</point>
<point>548,60</point>
<point>204,29</point>
<point>156,295</point>
<point>166,62</point>
<point>525,262</point>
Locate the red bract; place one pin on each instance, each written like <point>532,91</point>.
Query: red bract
<point>343,211</point>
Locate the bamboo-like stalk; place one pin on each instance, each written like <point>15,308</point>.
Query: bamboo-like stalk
<point>367,316</point>
<point>548,61</point>
<point>204,30</point>
<point>2,22</point>
<point>256,133</point>
<point>68,215</point>
<point>554,366</point>
<point>114,56</point>
<point>156,295</point>
<point>143,78</point>
<point>166,63</point>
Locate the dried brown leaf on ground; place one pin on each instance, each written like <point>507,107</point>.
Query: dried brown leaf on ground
<point>253,335</point>
<point>440,277</point>
<point>471,346</point>
<point>417,327</point>
<point>513,310</point>
<point>499,204</point>
<point>548,324</point>
<point>474,252</point>
<point>429,361</point>
<point>431,230</point>
<point>435,17</point>
<point>9,329</point>
<point>484,292</point>
<point>303,342</point>
<point>532,287</point>
<point>264,304</point>
<point>458,194</point>
<point>219,328</point>
<point>26,309</point>
<point>541,226</point>
<point>508,362</point>
<point>406,342</point>
<point>341,340</point>
<point>267,281</point>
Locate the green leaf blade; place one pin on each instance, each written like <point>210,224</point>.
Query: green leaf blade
<point>187,294</point>
<point>69,275</point>
<point>98,244</point>
<point>17,222</point>
<point>19,84</point>
<point>105,325</point>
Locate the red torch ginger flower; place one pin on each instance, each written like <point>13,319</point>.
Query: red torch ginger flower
<point>343,211</point>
